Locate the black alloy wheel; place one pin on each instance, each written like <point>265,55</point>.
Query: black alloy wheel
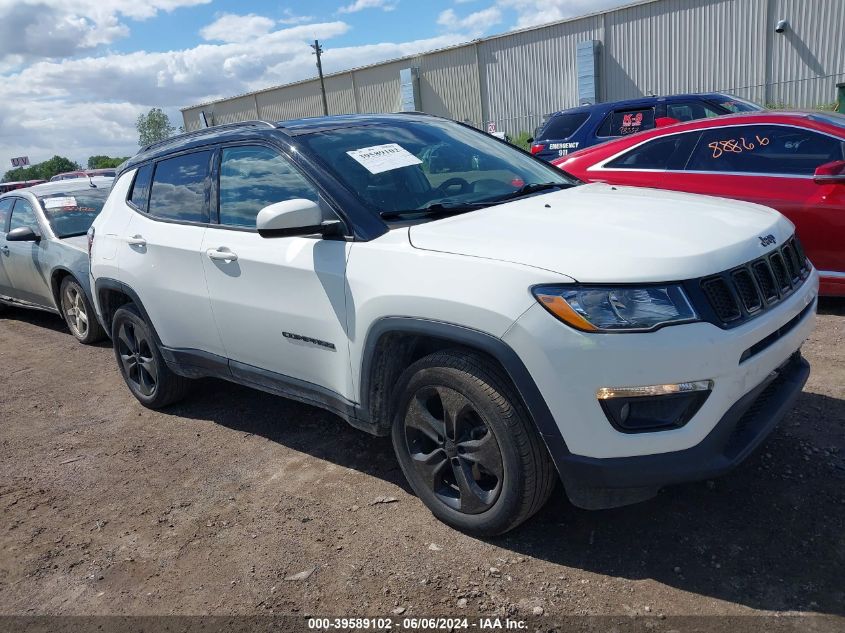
<point>141,364</point>
<point>453,450</point>
<point>467,445</point>
<point>137,359</point>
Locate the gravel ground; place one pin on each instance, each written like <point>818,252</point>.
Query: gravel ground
<point>238,502</point>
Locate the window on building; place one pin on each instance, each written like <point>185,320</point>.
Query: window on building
<point>252,178</point>
<point>179,189</point>
<point>764,149</point>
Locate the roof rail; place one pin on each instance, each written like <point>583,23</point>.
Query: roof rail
<point>251,123</point>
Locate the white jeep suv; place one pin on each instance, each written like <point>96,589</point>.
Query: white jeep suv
<point>506,325</point>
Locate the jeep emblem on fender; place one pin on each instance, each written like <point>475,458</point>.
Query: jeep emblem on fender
<point>766,240</point>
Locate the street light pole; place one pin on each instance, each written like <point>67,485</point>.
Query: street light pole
<point>318,50</point>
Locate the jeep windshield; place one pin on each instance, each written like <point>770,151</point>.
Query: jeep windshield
<point>429,167</point>
<point>72,213</point>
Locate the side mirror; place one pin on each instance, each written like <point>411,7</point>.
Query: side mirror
<point>23,234</point>
<point>832,173</point>
<point>530,139</point>
<point>293,217</point>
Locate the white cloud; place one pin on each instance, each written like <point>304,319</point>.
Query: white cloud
<point>53,29</point>
<point>292,19</point>
<point>360,5</point>
<point>86,106</point>
<point>533,12</point>
<point>475,23</point>
<point>237,28</point>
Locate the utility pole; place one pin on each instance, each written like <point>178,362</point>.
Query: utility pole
<point>318,50</point>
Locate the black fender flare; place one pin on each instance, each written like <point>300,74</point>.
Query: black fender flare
<point>105,283</point>
<point>482,341</point>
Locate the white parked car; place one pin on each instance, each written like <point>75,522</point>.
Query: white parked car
<point>506,325</point>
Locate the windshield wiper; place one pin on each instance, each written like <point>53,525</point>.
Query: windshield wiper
<point>440,209</point>
<point>525,190</point>
<point>437,209</point>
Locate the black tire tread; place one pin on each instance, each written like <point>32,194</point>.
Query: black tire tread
<point>540,476</point>
<point>171,386</point>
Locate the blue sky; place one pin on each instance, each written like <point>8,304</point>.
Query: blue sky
<point>75,74</point>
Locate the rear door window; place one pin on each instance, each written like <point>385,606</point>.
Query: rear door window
<point>180,188</point>
<point>690,111</point>
<point>764,149</point>
<point>624,122</point>
<point>664,153</point>
<point>563,126</point>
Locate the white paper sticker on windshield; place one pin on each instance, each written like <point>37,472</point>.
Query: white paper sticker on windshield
<point>59,202</point>
<point>380,158</point>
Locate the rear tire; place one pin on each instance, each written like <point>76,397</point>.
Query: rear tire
<point>467,446</point>
<point>143,369</point>
<point>79,313</point>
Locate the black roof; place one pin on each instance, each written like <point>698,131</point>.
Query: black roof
<point>645,101</point>
<point>257,129</point>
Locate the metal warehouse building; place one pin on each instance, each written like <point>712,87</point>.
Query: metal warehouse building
<point>649,47</point>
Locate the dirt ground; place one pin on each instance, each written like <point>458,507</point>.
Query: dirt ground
<point>217,505</point>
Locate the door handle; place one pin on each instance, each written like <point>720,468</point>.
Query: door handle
<point>220,254</point>
<point>136,240</point>
<point>5,249</point>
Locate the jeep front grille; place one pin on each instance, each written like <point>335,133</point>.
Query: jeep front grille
<point>741,293</point>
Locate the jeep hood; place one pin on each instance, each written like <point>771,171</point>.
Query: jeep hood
<point>602,233</point>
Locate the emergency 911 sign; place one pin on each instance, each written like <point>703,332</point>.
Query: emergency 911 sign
<point>21,161</point>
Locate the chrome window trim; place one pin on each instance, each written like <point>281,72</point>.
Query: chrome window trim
<point>599,167</point>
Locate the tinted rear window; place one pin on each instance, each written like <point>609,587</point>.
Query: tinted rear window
<point>624,122</point>
<point>667,152</point>
<point>564,125</point>
<point>179,188</point>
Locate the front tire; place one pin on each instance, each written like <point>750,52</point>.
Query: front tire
<point>143,369</point>
<point>467,446</point>
<point>78,313</point>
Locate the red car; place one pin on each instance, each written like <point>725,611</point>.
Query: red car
<point>791,161</point>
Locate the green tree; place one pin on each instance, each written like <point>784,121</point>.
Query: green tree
<point>105,162</point>
<point>42,171</point>
<point>153,126</point>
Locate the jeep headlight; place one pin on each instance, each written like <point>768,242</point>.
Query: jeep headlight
<point>617,309</point>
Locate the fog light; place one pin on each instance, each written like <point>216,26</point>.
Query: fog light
<point>654,407</point>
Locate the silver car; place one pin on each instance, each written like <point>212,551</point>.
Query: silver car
<point>44,250</point>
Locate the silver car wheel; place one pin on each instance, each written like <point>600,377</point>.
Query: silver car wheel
<point>73,305</point>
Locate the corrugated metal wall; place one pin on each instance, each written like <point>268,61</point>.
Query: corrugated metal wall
<point>678,46</point>
<point>808,53</point>
<point>652,47</point>
<point>527,74</point>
